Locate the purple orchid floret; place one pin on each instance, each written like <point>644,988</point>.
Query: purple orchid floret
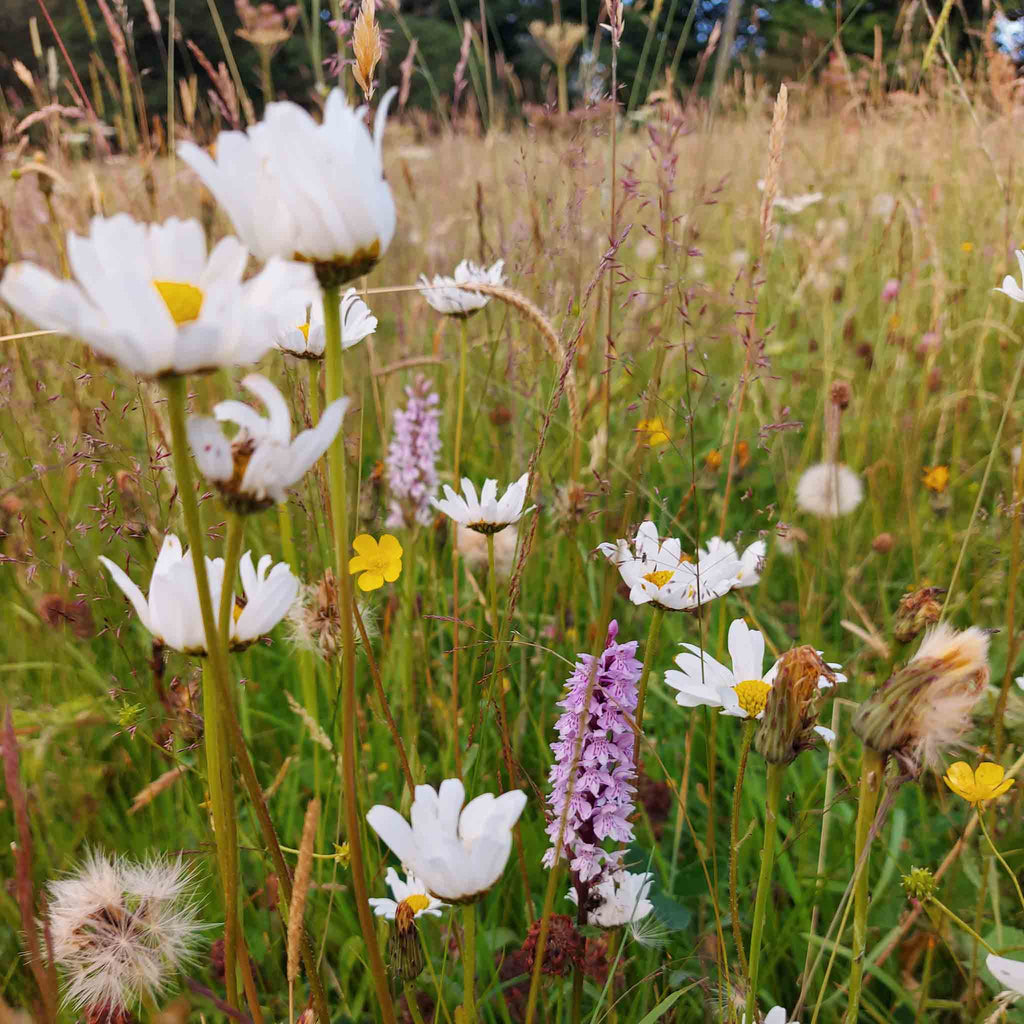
<point>412,458</point>
<point>602,797</point>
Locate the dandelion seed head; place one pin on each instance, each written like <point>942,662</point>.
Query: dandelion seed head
<point>829,490</point>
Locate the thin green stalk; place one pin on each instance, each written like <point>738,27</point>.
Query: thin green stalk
<point>457,456</point>
<point>926,981</point>
<point>577,995</point>
<point>871,774</point>
<point>414,1007</point>
<point>650,653</point>
<point>469,963</point>
<point>999,857</point>
<point>339,524</point>
<point>999,715</point>
<point>773,785</point>
<point>216,659</point>
<point>734,840</point>
<point>960,923</point>
<point>314,390</point>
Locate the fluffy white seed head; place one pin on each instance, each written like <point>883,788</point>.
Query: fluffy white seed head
<point>829,490</point>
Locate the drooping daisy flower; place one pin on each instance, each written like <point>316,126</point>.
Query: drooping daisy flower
<point>457,856</point>
<point>120,929</point>
<point>488,513</point>
<point>741,691</point>
<point>829,490</point>
<point>1007,972</point>
<point>412,457</point>
<point>411,892</point>
<point>925,708</point>
<point>258,465</point>
<point>656,572</point>
<point>308,191</point>
<point>302,334</point>
<point>619,899</point>
<point>150,298</point>
<point>449,295</point>
<point>171,612</point>
<point>1010,287</point>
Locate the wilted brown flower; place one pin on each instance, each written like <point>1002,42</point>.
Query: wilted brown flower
<point>791,709</point>
<point>916,612</point>
<point>564,950</point>
<point>926,706</point>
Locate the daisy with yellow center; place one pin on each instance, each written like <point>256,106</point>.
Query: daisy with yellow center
<point>378,562</point>
<point>307,338</point>
<point>976,785</point>
<point>410,898</point>
<point>741,691</point>
<point>153,299</point>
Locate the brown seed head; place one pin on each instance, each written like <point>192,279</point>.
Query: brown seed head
<point>842,393</point>
<point>883,543</point>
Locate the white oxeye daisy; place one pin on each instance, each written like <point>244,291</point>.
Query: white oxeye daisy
<point>308,191</point>
<point>302,334</point>
<point>1007,972</point>
<point>776,1015</point>
<point>150,298</point>
<point>411,892</point>
<point>171,612</point>
<point>620,899</point>
<point>457,852</point>
<point>741,691</point>
<point>257,466</point>
<point>451,295</point>
<point>828,490</point>
<point>121,929</point>
<point>1010,286</point>
<point>488,513</point>
<point>657,573</point>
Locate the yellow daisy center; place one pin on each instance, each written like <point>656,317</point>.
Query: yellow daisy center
<point>659,578</point>
<point>183,300</point>
<point>752,695</point>
<point>236,612</point>
<point>304,328</point>
<point>418,901</point>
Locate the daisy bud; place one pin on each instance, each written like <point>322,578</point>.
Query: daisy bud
<point>916,612</point>
<point>790,722</point>
<point>925,707</point>
<point>405,954</point>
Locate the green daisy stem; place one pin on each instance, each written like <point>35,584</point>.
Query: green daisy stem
<point>457,463</point>
<point>650,653</point>
<point>999,857</point>
<point>414,1007</point>
<point>872,772</point>
<point>339,525</point>
<point>215,673</point>
<point>773,785</point>
<point>734,840</point>
<point>314,390</point>
<point>469,963</point>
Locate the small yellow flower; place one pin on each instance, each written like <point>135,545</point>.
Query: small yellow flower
<point>378,561</point>
<point>967,247</point>
<point>976,785</point>
<point>713,460</point>
<point>654,431</point>
<point>936,478</point>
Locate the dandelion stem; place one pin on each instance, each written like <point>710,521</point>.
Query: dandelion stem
<point>650,653</point>
<point>734,840</point>
<point>215,673</point>
<point>872,772</point>
<point>999,857</point>
<point>469,963</point>
<point>773,784</point>
<point>339,524</point>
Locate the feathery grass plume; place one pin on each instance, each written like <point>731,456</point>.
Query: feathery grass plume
<point>366,46</point>
<point>925,708</point>
<point>300,886</point>
<point>776,138</point>
<point>790,722</point>
<point>120,929</point>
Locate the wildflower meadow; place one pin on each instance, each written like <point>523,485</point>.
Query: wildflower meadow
<point>508,561</point>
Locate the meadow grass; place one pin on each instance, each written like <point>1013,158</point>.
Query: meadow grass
<point>920,195</point>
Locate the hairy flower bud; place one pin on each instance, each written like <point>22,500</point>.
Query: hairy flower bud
<point>405,954</point>
<point>791,709</point>
<point>916,612</point>
<point>926,706</point>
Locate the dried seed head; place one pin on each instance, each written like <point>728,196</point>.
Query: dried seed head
<point>791,710</point>
<point>842,393</point>
<point>565,948</point>
<point>315,621</point>
<point>883,543</point>
<point>916,612</point>
<point>926,706</point>
<point>366,46</point>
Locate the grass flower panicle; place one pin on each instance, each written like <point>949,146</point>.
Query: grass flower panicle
<point>604,784</point>
<point>257,466</point>
<point>149,297</point>
<point>452,295</point>
<point>121,929</point>
<point>412,457</point>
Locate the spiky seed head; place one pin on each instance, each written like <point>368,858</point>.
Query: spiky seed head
<point>920,884</point>
<point>791,707</point>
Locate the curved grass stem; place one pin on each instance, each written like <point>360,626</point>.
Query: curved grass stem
<point>734,840</point>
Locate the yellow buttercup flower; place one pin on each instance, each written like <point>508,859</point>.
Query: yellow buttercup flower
<point>967,247</point>
<point>378,561</point>
<point>977,785</point>
<point>654,431</point>
<point>936,478</point>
